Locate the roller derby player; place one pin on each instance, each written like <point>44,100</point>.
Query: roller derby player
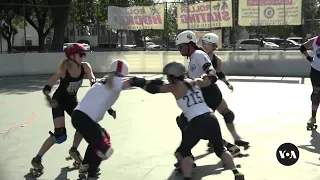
<point>199,62</point>
<point>92,109</point>
<point>71,73</point>
<point>202,124</point>
<point>313,44</point>
<point>210,44</point>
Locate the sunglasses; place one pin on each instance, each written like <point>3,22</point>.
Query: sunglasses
<point>82,54</point>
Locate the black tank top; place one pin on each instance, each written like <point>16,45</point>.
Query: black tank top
<point>69,86</point>
<point>214,61</point>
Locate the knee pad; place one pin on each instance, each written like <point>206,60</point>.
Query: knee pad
<point>182,153</point>
<point>104,152</point>
<point>219,151</point>
<point>106,135</point>
<point>315,97</point>
<point>228,116</point>
<point>59,136</point>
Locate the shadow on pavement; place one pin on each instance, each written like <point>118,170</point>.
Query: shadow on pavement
<point>265,80</point>
<point>22,84</point>
<point>314,145</point>
<point>63,174</point>
<point>199,172</point>
<point>30,83</point>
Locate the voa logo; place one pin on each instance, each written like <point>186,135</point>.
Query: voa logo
<point>287,154</point>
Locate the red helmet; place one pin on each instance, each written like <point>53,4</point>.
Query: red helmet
<point>74,49</point>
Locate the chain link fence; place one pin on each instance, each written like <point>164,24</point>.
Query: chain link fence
<point>241,25</point>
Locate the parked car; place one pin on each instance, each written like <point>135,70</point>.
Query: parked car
<point>283,43</point>
<point>151,45</point>
<point>298,40</point>
<point>85,45</point>
<point>253,44</point>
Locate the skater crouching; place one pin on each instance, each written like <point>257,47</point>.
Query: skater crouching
<point>202,124</point>
<point>92,108</point>
<point>314,44</point>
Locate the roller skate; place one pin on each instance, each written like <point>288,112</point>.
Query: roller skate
<point>83,171</point>
<point>37,169</point>
<point>311,125</point>
<point>178,168</point>
<point>242,143</point>
<point>75,155</point>
<point>239,176</point>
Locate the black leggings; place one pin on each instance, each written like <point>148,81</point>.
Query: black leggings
<point>315,77</point>
<point>205,126</point>
<point>93,133</point>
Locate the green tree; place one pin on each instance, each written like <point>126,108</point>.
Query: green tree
<point>60,14</point>
<point>10,23</point>
<point>38,14</point>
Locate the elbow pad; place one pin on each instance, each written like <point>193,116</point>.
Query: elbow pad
<point>208,69</point>
<point>302,49</point>
<point>310,59</point>
<point>213,78</point>
<point>221,75</point>
<point>138,82</point>
<point>152,88</point>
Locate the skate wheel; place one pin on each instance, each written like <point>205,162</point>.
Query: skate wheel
<point>82,176</point>
<point>315,126</point>
<point>76,165</point>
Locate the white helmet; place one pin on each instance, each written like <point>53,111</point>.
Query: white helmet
<point>210,38</point>
<point>120,66</point>
<point>186,37</point>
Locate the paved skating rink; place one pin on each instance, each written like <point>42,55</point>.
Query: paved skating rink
<point>269,112</point>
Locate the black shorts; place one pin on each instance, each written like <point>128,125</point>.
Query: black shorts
<point>212,96</point>
<point>315,77</point>
<point>91,131</point>
<point>66,105</point>
<point>204,127</point>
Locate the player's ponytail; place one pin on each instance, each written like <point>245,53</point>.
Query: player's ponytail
<point>64,65</point>
<point>109,81</point>
<point>199,48</point>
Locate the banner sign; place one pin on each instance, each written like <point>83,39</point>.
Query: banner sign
<point>136,18</point>
<point>205,15</point>
<point>271,13</point>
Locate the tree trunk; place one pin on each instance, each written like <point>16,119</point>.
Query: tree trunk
<point>138,38</point>
<point>41,37</point>
<point>9,45</point>
<point>60,21</point>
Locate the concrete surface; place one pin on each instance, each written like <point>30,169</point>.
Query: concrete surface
<point>268,111</point>
<point>235,63</point>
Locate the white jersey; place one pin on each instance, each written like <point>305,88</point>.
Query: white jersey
<point>197,60</point>
<point>100,98</point>
<point>193,104</point>
<point>316,55</point>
